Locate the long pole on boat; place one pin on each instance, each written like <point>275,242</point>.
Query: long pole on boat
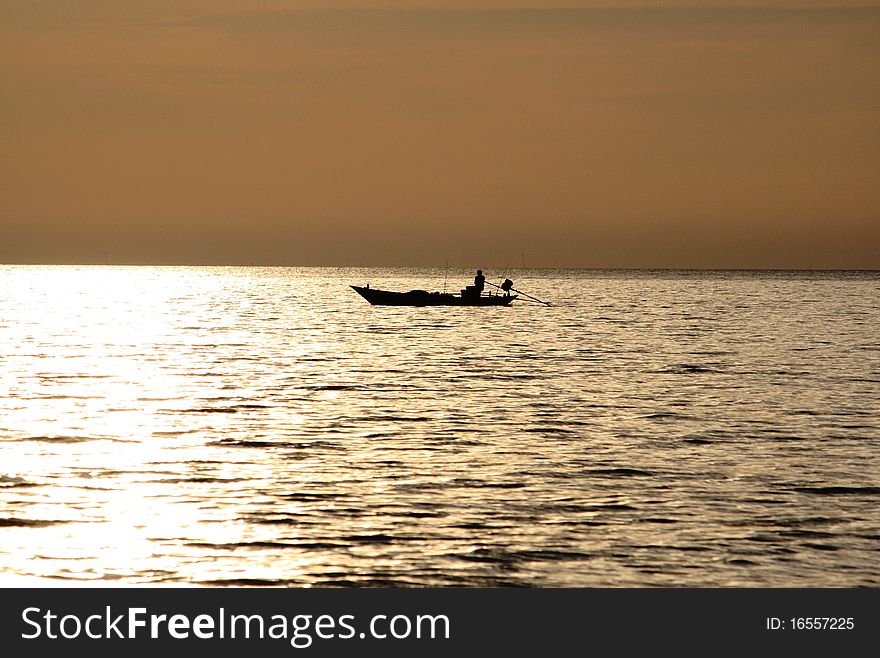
<point>523,294</point>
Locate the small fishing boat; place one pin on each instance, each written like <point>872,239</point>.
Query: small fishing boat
<point>425,298</point>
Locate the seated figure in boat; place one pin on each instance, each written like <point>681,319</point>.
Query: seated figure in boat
<point>476,289</point>
<point>479,282</point>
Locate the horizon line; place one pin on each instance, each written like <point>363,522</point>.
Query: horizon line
<point>459,267</point>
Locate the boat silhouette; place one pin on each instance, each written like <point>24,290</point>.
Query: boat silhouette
<point>467,297</point>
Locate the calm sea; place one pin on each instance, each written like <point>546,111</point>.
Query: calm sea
<point>246,426</point>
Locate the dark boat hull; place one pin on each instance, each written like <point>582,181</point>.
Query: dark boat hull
<point>425,298</point>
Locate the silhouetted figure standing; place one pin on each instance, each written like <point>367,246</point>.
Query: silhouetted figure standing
<point>506,286</point>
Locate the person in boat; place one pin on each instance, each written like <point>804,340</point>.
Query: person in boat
<point>506,286</point>
<point>479,282</point>
<point>477,289</point>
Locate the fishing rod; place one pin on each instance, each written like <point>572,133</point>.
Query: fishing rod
<point>523,294</point>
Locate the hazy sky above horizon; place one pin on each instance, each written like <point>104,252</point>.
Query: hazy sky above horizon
<point>361,132</point>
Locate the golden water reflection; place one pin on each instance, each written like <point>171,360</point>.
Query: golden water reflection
<point>263,426</point>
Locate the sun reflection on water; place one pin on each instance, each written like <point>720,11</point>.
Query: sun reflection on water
<point>246,426</point>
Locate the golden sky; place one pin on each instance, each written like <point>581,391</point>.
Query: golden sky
<point>616,134</point>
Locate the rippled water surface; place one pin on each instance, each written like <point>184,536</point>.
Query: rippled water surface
<point>268,426</point>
